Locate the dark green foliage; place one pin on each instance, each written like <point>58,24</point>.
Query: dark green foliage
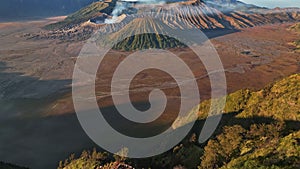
<point>87,160</point>
<point>261,146</point>
<point>186,154</point>
<point>148,41</point>
<point>223,148</point>
<point>277,153</point>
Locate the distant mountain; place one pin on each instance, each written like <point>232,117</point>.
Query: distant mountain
<point>230,5</point>
<point>93,10</point>
<point>206,15</point>
<point>30,9</point>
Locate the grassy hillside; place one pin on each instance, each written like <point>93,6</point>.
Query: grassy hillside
<point>280,153</point>
<point>91,11</point>
<point>262,146</point>
<point>260,129</point>
<point>279,101</point>
<point>296,28</point>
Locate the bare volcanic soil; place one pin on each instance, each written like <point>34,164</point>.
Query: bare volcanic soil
<point>37,120</point>
<point>252,58</point>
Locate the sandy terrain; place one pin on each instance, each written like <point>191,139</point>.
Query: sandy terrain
<point>38,126</point>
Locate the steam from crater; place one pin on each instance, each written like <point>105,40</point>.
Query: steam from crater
<point>127,7</point>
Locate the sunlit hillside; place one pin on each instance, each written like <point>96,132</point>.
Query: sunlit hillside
<point>259,130</point>
<point>296,28</point>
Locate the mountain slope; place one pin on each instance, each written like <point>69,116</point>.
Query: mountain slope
<point>259,130</point>
<point>139,40</point>
<point>206,17</point>
<point>91,11</point>
<point>203,15</point>
<point>280,101</point>
<point>263,146</point>
<point>267,137</point>
<point>283,155</point>
<point>296,28</point>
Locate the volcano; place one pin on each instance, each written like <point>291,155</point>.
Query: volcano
<point>140,40</point>
<point>205,15</point>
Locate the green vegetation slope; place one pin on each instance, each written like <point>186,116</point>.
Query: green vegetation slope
<point>141,40</point>
<point>280,101</point>
<point>260,129</point>
<point>296,28</point>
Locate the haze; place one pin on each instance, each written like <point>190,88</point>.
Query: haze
<point>274,3</point>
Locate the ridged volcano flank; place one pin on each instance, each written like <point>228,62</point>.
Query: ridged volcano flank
<point>87,13</point>
<point>133,36</point>
<point>203,15</point>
